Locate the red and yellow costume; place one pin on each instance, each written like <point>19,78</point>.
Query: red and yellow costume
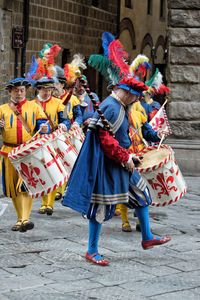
<point>137,117</point>
<point>14,134</point>
<point>52,108</point>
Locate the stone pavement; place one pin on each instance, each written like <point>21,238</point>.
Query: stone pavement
<point>48,262</point>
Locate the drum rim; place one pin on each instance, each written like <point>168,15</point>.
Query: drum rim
<point>17,152</point>
<point>157,166</point>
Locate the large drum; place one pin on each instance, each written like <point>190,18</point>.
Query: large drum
<point>61,142</point>
<point>162,174</point>
<point>39,166</point>
<point>76,137</point>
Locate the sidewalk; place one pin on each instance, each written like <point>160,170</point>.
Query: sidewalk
<point>48,262</point>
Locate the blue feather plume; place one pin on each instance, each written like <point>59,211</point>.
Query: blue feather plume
<point>32,70</point>
<point>107,38</point>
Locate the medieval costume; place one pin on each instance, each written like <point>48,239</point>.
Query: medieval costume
<point>53,109</point>
<point>20,120</point>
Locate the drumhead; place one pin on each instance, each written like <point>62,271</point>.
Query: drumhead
<point>153,157</point>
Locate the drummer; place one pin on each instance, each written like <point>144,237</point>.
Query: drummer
<point>19,119</point>
<point>107,183</point>
<point>65,92</point>
<point>72,108</point>
<point>140,132</point>
<point>53,109</point>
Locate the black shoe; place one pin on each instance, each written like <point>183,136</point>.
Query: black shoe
<point>49,211</point>
<point>26,226</point>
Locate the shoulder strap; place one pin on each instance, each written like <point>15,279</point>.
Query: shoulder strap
<point>19,116</point>
<point>48,118</point>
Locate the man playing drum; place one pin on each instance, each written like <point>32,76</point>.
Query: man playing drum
<point>53,109</point>
<point>105,175</point>
<point>19,119</point>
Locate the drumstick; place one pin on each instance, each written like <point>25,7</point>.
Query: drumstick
<point>40,129</point>
<point>162,138</point>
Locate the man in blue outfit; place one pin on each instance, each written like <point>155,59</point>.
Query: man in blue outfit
<point>104,174</point>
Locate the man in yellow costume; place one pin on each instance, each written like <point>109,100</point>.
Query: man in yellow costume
<point>139,132</point>
<point>19,119</point>
<point>53,109</point>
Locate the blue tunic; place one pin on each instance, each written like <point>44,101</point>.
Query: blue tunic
<point>98,180</point>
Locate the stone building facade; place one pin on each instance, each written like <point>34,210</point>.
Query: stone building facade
<point>183,77</point>
<point>76,25</point>
<point>168,32</point>
<point>143,29</point>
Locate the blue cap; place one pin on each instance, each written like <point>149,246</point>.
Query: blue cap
<point>129,89</point>
<point>19,81</point>
<point>45,82</point>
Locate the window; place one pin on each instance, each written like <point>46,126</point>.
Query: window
<point>162,9</point>
<point>149,7</point>
<point>103,4</point>
<point>128,3</point>
<point>95,2</point>
<point>65,57</point>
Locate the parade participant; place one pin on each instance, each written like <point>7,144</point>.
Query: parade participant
<point>103,182</point>
<point>19,119</point>
<point>53,109</point>
<point>156,87</point>
<point>86,104</point>
<point>72,72</point>
<point>140,132</point>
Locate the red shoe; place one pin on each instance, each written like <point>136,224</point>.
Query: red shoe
<point>151,243</point>
<point>102,262</point>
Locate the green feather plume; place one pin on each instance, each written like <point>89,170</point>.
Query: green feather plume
<point>103,65</point>
<point>151,80</point>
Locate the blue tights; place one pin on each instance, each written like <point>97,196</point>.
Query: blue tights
<point>143,216</point>
<point>95,230</point>
<point>94,233</point>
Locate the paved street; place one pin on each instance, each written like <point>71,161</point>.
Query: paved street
<point>48,262</point>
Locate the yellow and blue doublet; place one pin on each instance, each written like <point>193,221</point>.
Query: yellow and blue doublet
<point>14,134</point>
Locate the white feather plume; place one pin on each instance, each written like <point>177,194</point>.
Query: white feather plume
<point>158,80</point>
<point>78,61</point>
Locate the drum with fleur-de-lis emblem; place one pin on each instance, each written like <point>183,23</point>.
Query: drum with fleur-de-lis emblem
<point>164,178</point>
<point>39,166</point>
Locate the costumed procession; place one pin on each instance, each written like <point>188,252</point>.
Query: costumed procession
<point>99,157</point>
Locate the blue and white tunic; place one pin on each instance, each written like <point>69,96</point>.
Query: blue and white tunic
<point>98,183</point>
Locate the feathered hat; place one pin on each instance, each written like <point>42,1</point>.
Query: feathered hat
<point>60,74</point>
<point>140,65</point>
<point>114,67</point>
<point>72,71</point>
<point>44,66</point>
<point>156,85</point>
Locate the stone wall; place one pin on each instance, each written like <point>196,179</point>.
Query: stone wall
<point>184,68</point>
<point>5,33</point>
<point>184,81</point>
<point>75,25</point>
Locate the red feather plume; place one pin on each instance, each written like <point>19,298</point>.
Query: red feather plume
<point>135,84</point>
<point>163,89</point>
<point>54,51</point>
<point>117,55</point>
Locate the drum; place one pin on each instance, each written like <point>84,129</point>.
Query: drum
<point>61,142</point>
<point>39,166</point>
<point>162,174</point>
<point>76,137</point>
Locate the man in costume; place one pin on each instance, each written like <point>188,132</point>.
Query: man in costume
<point>104,174</point>
<point>140,132</point>
<point>53,110</point>
<point>19,119</point>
